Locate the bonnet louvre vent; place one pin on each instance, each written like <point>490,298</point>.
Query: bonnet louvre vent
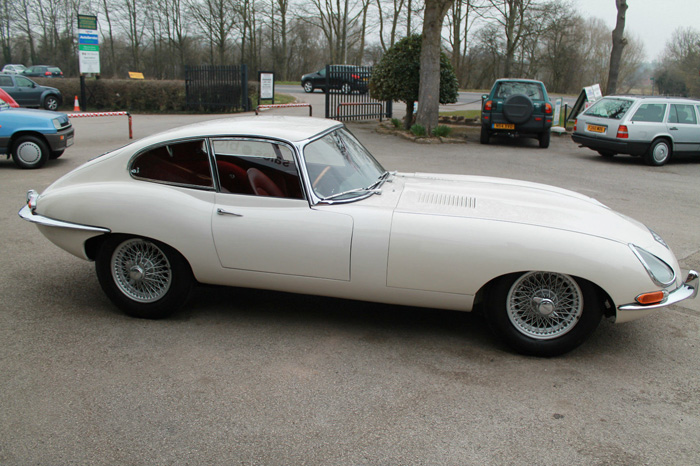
<point>448,200</point>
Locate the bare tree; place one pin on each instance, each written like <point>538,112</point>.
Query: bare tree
<point>217,18</point>
<point>618,44</point>
<point>429,91</point>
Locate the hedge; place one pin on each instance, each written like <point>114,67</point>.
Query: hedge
<point>148,96</point>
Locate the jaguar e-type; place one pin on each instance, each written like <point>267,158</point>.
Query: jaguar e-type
<point>299,205</point>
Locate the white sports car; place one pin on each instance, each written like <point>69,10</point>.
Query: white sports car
<point>299,205</point>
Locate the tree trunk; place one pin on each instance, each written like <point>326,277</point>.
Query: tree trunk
<point>429,90</point>
<point>408,120</point>
<point>618,43</point>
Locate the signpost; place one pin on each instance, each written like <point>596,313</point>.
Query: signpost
<point>88,50</point>
<point>267,85</point>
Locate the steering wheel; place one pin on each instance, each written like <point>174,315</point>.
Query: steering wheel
<point>320,175</point>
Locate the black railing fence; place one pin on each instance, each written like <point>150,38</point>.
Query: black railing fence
<point>217,88</point>
<point>348,96</point>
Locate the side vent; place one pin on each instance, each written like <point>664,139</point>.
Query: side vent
<point>448,200</point>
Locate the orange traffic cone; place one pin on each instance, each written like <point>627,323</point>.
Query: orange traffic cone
<point>76,105</point>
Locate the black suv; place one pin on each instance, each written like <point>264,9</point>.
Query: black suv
<point>517,107</point>
<point>346,78</point>
<point>27,93</point>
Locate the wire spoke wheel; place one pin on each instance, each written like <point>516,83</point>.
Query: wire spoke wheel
<point>141,270</point>
<point>544,305</point>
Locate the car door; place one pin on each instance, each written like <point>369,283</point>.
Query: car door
<point>28,93</point>
<point>683,126</point>
<point>262,221</point>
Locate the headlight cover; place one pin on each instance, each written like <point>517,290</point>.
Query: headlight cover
<point>56,123</point>
<point>660,272</point>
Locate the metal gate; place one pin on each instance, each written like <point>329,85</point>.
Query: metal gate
<point>217,88</point>
<point>347,94</point>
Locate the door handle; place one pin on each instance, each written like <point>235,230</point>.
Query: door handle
<point>221,211</point>
<point>673,128</point>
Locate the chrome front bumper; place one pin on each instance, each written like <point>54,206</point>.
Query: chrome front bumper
<point>688,290</point>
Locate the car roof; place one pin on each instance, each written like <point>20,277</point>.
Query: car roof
<point>520,80</point>
<point>657,97</point>
<point>287,128</point>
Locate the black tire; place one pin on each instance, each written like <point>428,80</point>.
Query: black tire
<point>308,87</point>
<point>56,154</point>
<point>544,139</point>
<point>30,152</point>
<point>144,278</point>
<point>485,135</point>
<point>51,102</point>
<point>518,108</point>
<point>659,153</point>
<point>607,154</point>
<point>543,313</point>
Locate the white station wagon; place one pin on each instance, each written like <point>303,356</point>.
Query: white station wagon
<point>652,127</point>
<point>299,205</point>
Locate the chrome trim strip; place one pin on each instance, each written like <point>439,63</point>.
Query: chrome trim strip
<point>26,214</point>
<point>688,290</point>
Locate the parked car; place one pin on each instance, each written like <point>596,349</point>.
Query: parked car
<point>346,78</point>
<point>27,93</point>
<point>7,98</point>
<point>13,69</point>
<point>32,137</point>
<point>518,107</point>
<point>43,71</point>
<point>655,128</point>
<point>293,204</point>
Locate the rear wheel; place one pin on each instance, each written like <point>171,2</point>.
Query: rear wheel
<point>30,152</point>
<point>346,88</point>
<point>485,135</point>
<point>544,139</point>
<point>145,278</point>
<point>543,313</point>
<point>659,153</point>
<point>308,87</point>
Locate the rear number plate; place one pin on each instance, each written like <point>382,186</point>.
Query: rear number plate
<point>503,126</point>
<point>596,129</point>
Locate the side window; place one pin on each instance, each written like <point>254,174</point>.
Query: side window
<point>681,113</point>
<point>181,163</point>
<point>5,81</point>
<point>23,82</point>
<point>650,112</point>
<point>258,168</point>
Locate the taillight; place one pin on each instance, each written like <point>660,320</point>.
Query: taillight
<point>548,108</point>
<point>622,132</point>
<point>48,73</point>
<point>488,106</point>
<point>355,76</point>
<point>575,123</point>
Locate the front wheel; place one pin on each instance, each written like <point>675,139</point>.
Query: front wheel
<point>346,88</point>
<point>145,278</point>
<point>543,313</point>
<point>659,153</point>
<point>51,102</point>
<point>30,152</point>
<point>308,87</point>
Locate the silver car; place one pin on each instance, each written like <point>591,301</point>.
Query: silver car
<point>652,127</point>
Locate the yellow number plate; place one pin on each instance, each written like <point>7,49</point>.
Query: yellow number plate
<point>596,129</point>
<point>503,126</point>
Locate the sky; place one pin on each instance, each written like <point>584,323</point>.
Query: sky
<point>652,21</point>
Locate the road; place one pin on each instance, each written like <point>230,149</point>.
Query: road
<point>465,100</point>
<point>250,377</point>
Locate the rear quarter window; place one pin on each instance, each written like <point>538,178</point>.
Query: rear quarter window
<point>183,163</point>
<point>614,109</point>
<point>650,112</point>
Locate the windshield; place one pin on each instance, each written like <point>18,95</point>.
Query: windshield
<point>609,108</point>
<point>340,168</point>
